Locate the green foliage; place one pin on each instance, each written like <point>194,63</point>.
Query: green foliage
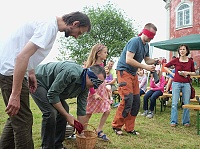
<point>110,26</point>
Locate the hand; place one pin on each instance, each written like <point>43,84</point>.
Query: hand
<point>159,61</point>
<point>150,68</point>
<point>70,120</point>
<point>97,97</point>
<point>13,105</point>
<point>78,126</point>
<point>183,73</point>
<point>75,123</point>
<point>32,82</point>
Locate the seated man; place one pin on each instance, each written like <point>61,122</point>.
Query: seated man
<point>58,81</point>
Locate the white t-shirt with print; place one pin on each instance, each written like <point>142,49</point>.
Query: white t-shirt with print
<point>42,33</point>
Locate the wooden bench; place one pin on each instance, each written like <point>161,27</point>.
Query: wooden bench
<point>197,108</point>
<point>170,96</point>
<point>193,100</point>
<point>162,100</point>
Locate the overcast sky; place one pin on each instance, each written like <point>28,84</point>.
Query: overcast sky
<point>142,11</point>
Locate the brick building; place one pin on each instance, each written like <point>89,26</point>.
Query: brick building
<point>183,18</point>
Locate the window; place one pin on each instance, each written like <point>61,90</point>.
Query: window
<point>184,16</point>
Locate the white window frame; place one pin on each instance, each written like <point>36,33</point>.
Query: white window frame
<point>190,9</point>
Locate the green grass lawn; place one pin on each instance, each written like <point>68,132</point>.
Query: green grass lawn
<point>154,133</point>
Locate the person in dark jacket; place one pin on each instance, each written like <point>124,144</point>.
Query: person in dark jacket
<point>58,81</point>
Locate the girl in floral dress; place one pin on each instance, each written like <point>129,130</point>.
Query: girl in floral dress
<point>98,99</point>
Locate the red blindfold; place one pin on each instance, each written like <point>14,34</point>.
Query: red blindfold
<point>148,33</point>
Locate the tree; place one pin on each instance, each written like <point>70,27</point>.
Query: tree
<point>110,26</point>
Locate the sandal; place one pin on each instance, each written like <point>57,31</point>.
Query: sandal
<point>134,132</point>
<point>118,131</point>
<point>102,136</point>
<point>187,125</point>
<point>173,125</point>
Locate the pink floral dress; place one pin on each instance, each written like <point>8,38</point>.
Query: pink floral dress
<point>98,106</point>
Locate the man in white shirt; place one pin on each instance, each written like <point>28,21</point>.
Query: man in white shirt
<point>21,52</point>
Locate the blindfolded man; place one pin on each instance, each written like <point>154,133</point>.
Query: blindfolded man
<point>57,82</point>
<point>136,50</point>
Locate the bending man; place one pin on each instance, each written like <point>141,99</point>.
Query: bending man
<point>59,81</point>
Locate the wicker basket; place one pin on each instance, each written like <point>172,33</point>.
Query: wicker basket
<point>88,139</point>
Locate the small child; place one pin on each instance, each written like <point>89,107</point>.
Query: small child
<point>108,79</point>
<point>142,78</point>
<point>169,83</point>
<point>98,99</point>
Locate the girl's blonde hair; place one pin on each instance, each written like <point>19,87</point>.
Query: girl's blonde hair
<point>106,67</point>
<point>92,58</point>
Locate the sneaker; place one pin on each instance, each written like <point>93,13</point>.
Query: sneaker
<point>72,137</point>
<point>134,132</point>
<point>145,113</point>
<point>150,115</point>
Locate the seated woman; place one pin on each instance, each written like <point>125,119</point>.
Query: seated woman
<point>155,91</point>
<point>142,78</point>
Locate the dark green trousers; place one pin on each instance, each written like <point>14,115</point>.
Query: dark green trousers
<point>17,132</point>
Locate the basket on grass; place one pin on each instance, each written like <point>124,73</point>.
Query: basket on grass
<point>87,139</point>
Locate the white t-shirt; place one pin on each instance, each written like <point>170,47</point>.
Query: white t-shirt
<point>42,33</point>
<point>142,82</point>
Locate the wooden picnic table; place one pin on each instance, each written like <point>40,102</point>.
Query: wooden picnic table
<point>197,77</point>
<point>197,108</point>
